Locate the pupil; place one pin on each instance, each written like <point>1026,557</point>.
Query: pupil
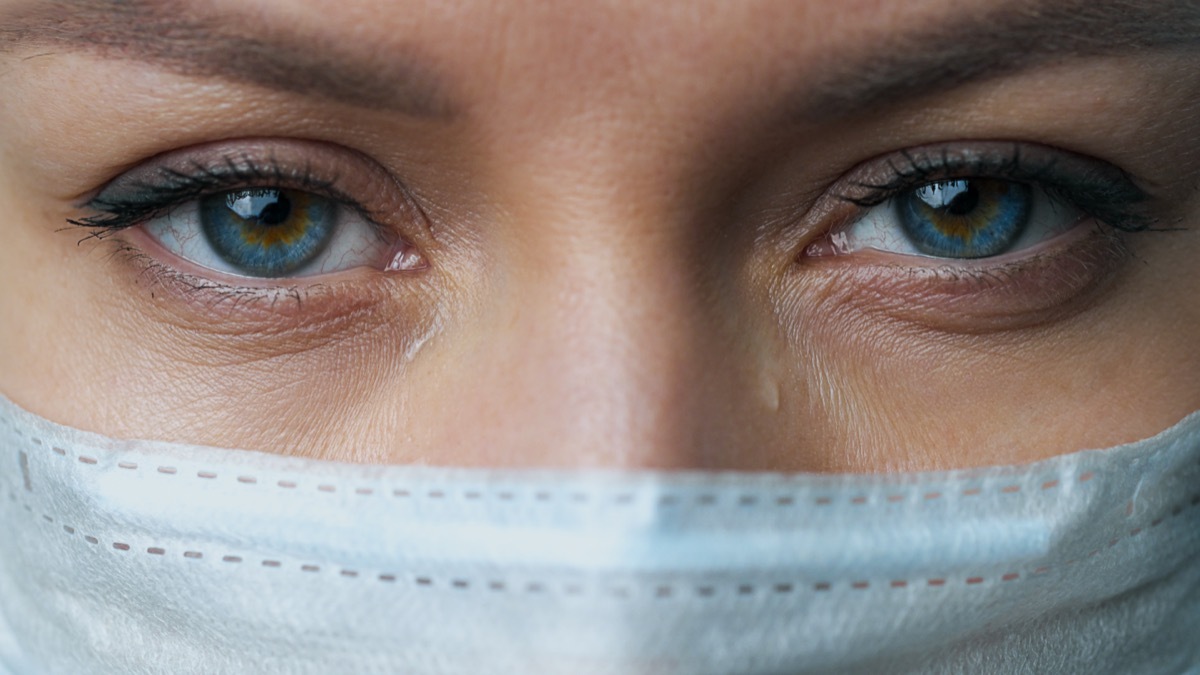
<point>267,208</point>
<point>956,197</point>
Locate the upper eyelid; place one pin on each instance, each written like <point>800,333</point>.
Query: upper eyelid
<point>147,197</point>
<point>925,166</point>
<point>921,171</point>
<point>1105,191</point>
<point>337,173</point>
<point>233,171</point>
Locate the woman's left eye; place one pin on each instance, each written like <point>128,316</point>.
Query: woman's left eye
<point>956,218</point>
<point>270,233</point>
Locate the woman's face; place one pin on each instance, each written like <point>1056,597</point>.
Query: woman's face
<point>818,236</point>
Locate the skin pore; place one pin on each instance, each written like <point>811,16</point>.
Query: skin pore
<point>623,218</point>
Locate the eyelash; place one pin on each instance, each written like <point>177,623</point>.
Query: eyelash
<point>170,188</point>
<point>1105,193</point>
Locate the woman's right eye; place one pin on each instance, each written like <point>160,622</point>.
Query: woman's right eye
<point>271,232</point>
<point>262,210</point>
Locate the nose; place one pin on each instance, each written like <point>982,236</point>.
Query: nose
<point>599,349</point>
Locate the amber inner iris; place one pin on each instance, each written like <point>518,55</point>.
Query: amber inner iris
<point>965,218</point>
<point>268,232</point>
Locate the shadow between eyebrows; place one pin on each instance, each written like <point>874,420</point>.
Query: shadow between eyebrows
<point>246,47</point>
<point>975,46</point>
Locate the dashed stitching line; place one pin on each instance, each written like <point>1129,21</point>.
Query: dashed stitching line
<point>624,592</point>
<point>620,499</point>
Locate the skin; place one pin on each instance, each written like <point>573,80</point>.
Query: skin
<point>613,236</point>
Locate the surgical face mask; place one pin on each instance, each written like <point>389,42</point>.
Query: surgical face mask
<point>146,557</point>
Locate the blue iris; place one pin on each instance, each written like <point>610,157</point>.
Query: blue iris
<point>968,218</point>
<point>267,232</point>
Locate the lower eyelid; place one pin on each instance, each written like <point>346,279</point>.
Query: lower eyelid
<point>203,304</point>
<point>1047,283</point>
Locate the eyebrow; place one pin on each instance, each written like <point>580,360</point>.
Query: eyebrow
<point>972,47</point>
<point>179,37</point>
<point>1009,38</point>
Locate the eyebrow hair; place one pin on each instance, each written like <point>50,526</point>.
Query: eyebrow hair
<point>1012,37</point>
<point>176,36</point>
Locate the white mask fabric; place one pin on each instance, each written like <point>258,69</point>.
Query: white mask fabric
<point>148,557</point>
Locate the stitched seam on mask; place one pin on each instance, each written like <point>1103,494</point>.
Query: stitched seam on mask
<point>625,592</point>
<point>621,498</point>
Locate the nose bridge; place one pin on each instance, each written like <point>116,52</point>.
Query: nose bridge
<point>607,354</point>
<point>602,339</point>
